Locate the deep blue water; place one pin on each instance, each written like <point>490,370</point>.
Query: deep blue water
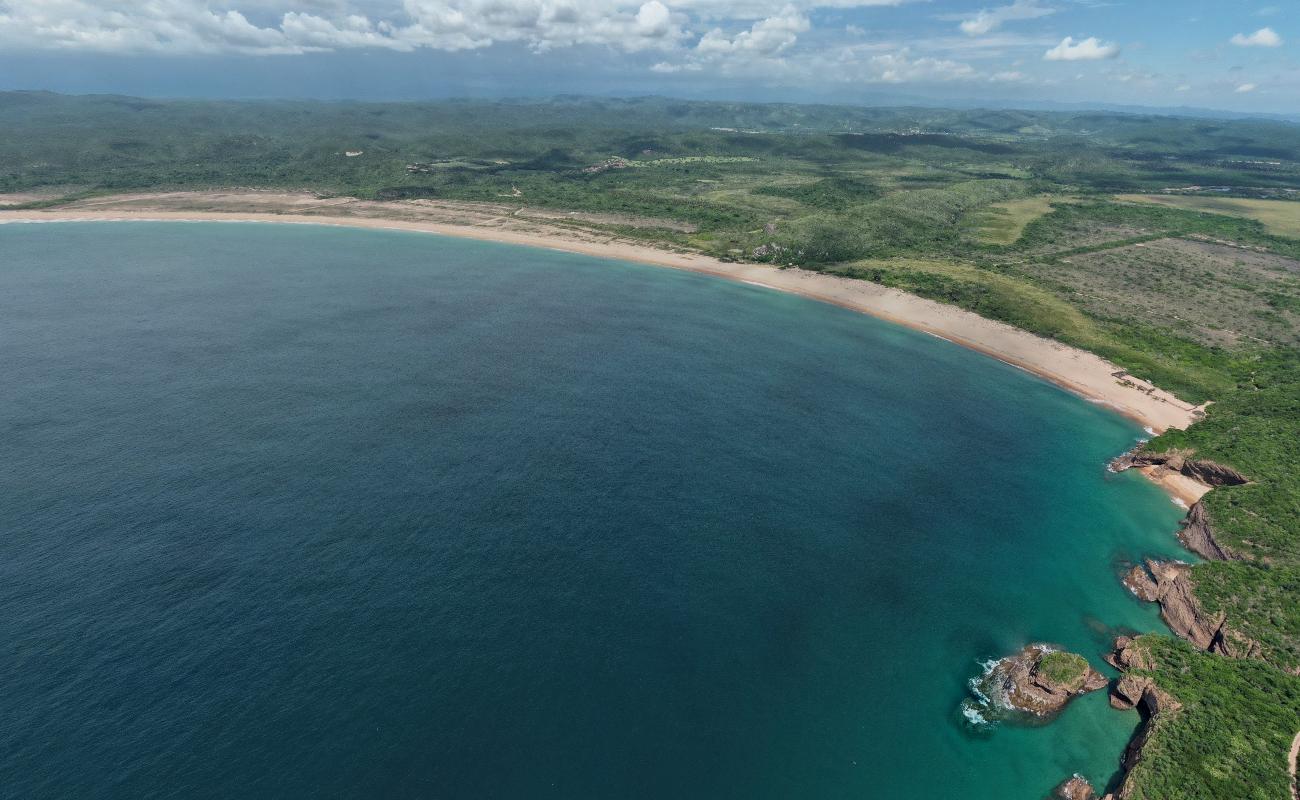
<point>309,512</point>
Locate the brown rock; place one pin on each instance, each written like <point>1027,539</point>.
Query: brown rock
<point>1128,655</point>
<point>1169,584</point>
<point>1076,788</point>
<point>1156,706</point>
<point>1207,472</point>
<point>1212,474</point>
<point>1141,583</point>
<point>1030,684</point>
<point>1127,692</point>
<point>1153,703</point>
<point>1197,535</point>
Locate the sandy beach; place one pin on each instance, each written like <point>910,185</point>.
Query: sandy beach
<point>1186,491</point>
<point>1076,370</point>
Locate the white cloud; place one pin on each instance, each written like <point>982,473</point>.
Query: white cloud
<point>756,50</point>
<point>990,19</point>
<point>900,67</point>
<point>760,9</point>
<point>1245,88</point>
<point>767,37</point>
<point>1264,37</point>
<point>297,26</point>
<point>857,63</point>
<point>1090,49</point>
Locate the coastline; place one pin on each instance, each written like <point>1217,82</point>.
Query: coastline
<point>1082,373</point>
<point>1077,371</point>
<point>1184,490</point>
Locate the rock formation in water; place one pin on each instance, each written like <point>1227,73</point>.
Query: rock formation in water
<point>1169,584</point>
<point>1041,680</point>
<point>1075,788</point>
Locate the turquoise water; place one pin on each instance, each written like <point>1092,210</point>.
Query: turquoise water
<point>312,512</point>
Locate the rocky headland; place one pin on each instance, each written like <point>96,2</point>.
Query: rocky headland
<point>1131,692</point>
<point>1169,583</point>
<point>1180,461</point>
<point>1197,533</point>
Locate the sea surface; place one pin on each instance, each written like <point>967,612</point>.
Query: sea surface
<point>297,511</point>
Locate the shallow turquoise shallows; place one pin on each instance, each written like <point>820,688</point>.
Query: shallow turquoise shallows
<point>295,511</point>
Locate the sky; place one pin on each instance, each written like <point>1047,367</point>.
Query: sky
<point>1236,55</point>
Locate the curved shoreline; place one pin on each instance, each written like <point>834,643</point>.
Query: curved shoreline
<point>1078,371</point>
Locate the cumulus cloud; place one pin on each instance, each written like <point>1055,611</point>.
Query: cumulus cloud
<point>754,50</point>
<point>990,19</point>
<point>1090,49</point>
<point>767,37</point>
<point>298,26</point>
<point>755,39</point>
<point>901,67</point>
<point>1264,37</point>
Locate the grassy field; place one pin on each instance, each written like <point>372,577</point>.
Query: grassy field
<point>1003,223</point>
<point>1279,217</point>
<point>1053,222</point>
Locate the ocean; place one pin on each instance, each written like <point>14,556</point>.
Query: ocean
<point>299,511</point>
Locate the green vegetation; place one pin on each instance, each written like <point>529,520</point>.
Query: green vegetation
<point>1068,670</point>
<point>1230,737</point>
<point>1003,223</point>
<point>1255,428</point>
<point>1010,214</point>
<point>1280,217</point>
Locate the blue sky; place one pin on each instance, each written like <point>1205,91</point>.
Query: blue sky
<point>1230,55</point>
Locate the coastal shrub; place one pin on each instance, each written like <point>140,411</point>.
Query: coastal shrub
<point>1064,669</point>
<point>1231,736</point>
<point>1255,429</point>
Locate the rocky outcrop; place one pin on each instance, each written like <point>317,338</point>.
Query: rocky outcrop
<point>1207,472</point>
<point>1210,473</point>
<point>1169,584</point>
<point>1075,788</point>
<point>1132,691</point>
<point>1126,657</point>
<point>1041,680</point>
<point>1197,535</point>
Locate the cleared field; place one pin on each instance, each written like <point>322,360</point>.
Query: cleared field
<point>1280,217</point>
<point>1212,294</point>
<point>1003,223</point>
